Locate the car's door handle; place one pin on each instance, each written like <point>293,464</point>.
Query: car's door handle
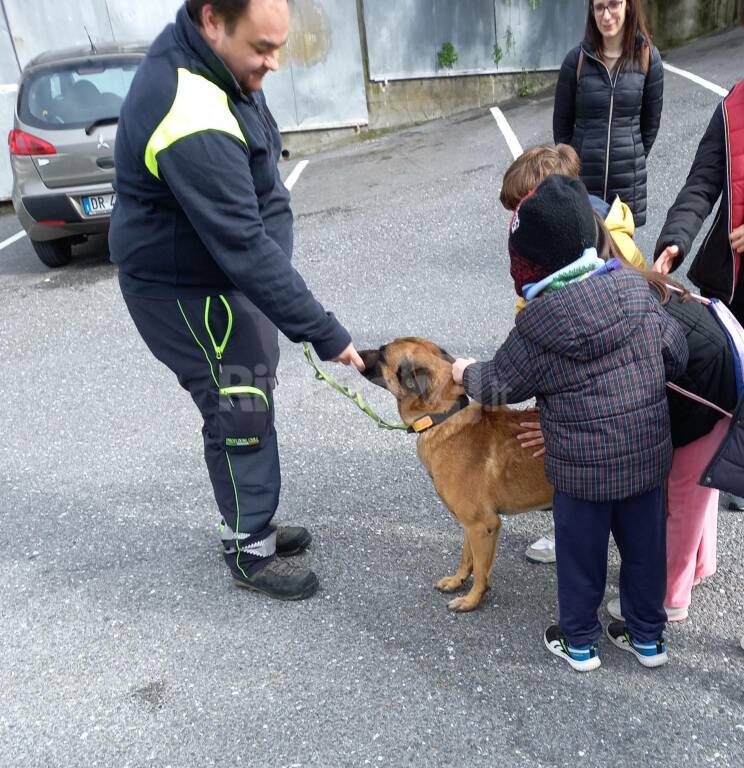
<point>105,162</point>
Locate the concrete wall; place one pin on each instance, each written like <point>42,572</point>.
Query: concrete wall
<point>406,102</point>
<point>409,101</point>
<point>674,21</point>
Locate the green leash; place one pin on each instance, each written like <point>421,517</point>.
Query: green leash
<point>355,397</point>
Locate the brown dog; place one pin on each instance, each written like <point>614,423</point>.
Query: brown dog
<point>471,453</point>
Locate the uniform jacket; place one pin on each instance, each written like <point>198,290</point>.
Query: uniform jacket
<point>611,121</point>
<point>717,172</point>
<point>596,355</point>
<point>201,208</point>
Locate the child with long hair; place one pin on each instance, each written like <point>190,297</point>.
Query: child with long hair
<point>696,431</point>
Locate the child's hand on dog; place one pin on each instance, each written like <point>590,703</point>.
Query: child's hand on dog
<point>534,436</point>
<point>459,366</point>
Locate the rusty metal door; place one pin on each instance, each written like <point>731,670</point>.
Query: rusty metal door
<point>321,80</point>
<point>320,84</point>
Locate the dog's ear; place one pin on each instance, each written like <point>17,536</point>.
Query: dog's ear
<point>413,379</point>
<point>445,355</point>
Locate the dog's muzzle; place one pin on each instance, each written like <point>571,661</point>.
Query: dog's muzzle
<point>371,360</point>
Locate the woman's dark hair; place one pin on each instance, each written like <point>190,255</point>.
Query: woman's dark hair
<point>635,21</point>
<point>663,285</point>
<point>229,10</point>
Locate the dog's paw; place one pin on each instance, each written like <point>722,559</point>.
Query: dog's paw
<point>449,583</point>
<point>463,604</point>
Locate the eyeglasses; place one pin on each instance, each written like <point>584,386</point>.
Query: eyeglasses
<point>613,6</point>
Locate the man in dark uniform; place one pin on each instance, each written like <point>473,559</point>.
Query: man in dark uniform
<point>202,235</point>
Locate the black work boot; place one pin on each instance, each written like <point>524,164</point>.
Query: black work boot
<point>291,540</point>
<point>279,579</point>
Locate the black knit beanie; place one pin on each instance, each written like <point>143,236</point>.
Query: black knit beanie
<point>551,228</point>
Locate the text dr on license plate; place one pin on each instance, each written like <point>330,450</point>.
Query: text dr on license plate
<point>97,205</point>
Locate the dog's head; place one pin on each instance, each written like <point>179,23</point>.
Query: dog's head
<point>416,372</point>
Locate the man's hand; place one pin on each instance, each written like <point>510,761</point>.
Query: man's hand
<point>534,436</point>
<point>350,357</point>
<point>459,366</point>
<point>665,261</point>
<point>737,239</point>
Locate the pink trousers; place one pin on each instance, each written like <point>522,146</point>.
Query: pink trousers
<point>692,518</point>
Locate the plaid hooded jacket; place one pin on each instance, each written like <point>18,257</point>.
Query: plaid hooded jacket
<point>596,355</point>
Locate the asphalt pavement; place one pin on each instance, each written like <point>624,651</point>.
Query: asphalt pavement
<point>122,641</point>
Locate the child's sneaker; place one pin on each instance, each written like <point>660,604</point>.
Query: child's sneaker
<point>543,550</point>
<point>651,654</point>
<point>583,658</point>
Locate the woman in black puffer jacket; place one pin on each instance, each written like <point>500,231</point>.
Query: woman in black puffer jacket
<point>608,102</point>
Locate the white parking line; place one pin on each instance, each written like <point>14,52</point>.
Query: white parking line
<point>11,240</point>
<point>696,79</point>
<point>296,172</point>
<point>512,141</point>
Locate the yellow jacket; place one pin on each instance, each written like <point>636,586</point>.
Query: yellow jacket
<point>620,223</point>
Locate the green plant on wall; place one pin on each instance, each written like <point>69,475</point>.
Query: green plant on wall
<point>509,42</point>
<point>447,56</point>
<point>498,54</point>
<point>535,4</point>
<point>527,83</point>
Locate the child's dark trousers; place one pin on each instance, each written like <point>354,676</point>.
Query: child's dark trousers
<point>582,531</point>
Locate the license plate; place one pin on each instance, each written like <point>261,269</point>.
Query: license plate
<point>99,205</point>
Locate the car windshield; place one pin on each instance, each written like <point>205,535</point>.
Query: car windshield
<point>76,96</point>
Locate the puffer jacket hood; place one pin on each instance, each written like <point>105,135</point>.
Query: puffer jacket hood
<point>552,324</point>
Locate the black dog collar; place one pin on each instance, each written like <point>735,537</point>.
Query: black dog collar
<point>434,419</point>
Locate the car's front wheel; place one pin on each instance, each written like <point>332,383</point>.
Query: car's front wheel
<point>54,253</point>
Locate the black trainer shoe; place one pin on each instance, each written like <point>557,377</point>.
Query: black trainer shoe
<point>736,503</point>
<point>582,658</point>
<point>651,654</point>
<point>280,580</point>
<point>291,540</point>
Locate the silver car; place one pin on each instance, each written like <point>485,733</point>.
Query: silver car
<point>62,144</point>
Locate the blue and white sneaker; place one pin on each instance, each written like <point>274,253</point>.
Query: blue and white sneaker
<point>583,658</point>
<point>651,654</point>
